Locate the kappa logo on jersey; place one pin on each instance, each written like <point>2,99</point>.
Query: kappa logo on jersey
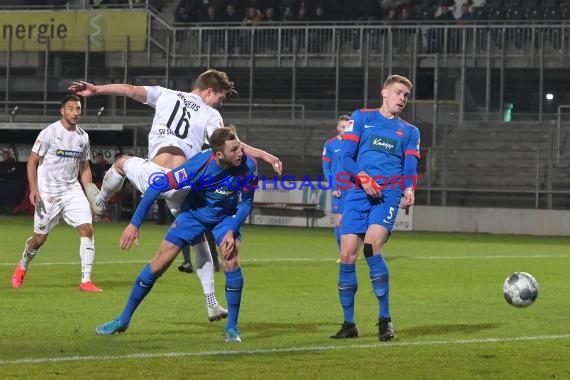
<point>67,153</point>
<point>181,176</point>
<point>349,126</point>
<point>400,132</point>
<point>223,192</point>
<point>383,143</point>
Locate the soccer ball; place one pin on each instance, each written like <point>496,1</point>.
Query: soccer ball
<point>520,289</point>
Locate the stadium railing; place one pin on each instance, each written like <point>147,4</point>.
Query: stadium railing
<point>311,211</point>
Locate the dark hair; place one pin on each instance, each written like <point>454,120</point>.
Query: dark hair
<point>219,137</point>
<point>69,98</point>
<point>216,80</point>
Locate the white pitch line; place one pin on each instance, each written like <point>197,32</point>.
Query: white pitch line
<point>309,259</point>
<point>262,351</point>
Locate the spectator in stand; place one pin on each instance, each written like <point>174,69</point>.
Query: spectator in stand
<point>232,14</point>
<point>210,16</point>
<point>444,14</point>
<point>320,13</point>
<point>405,14</point>
<point>8,166</point>
<point>288,14</point>
<point>302,14</point>
<point>186,11</point>
<point>466,14</point>
<point>270,15</point>
<point>203,6</point>
<point>98,169</point>
<point>253,16</point>
<point>391,16</point>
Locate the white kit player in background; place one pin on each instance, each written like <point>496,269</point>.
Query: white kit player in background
<point>182,123</point>
<point>60,154</point>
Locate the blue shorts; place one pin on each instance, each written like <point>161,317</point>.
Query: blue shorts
<point>337,203</point>
<point>361,211</point>
<point>187,229</point>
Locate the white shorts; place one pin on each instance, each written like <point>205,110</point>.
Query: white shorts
<point>140,172</point>
<point>72,205</point>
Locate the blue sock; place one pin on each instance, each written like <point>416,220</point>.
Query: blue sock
<point>347,287</point>
<point>141,288</point>
<point>234,286</point>
<point>337,235</point>
<point>380,277</point>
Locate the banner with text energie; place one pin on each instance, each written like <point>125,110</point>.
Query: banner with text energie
<point>94,30</point>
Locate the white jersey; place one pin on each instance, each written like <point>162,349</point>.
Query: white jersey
<point>181,119</point>
<point>61,153</point>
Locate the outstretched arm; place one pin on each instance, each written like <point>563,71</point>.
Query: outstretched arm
<point>275,162</point>
<point>86,89</point>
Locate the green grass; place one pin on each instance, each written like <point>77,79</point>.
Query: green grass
<point>450,317</point>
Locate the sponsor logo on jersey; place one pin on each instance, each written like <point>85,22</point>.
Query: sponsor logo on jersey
<point>383,143</point>
<point>67,153</point>
<point>224,191</point>
<point>181,176</point>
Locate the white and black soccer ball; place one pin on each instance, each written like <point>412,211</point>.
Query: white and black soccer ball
<point>520,289</point>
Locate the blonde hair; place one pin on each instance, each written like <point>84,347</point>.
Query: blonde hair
<point>397,79</point>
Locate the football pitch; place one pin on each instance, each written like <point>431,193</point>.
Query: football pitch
<point>450,318</point>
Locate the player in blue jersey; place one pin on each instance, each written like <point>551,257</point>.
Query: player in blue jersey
<point>216,179</point>
<point>381,152</point>
<point>332,167</point>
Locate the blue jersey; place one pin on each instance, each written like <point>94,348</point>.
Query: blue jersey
<point>215,191</point>
<point>378,146</point>
<point>332,161</point>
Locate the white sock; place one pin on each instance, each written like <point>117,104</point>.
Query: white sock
<point>205,271</point>
<point>87,253</point>
<point>27,256</point>
<point>112,182</point>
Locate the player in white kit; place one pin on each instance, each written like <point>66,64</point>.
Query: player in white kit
<point>182,123</point>
<point>60,154</point>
